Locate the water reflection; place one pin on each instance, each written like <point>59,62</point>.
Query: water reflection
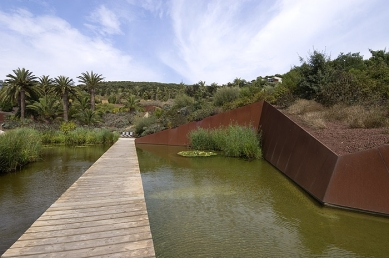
<point>224,207</point>
<point>26,194</point>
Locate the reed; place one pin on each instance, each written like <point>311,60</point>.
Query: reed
<point>233,141</point>
<point>80,136</point>
<point>19,147</point>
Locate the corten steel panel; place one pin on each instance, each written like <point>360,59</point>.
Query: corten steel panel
<point>322,180</point>
<point>161,138</point>
<point>173,135</point>
<point>1,118</point>
<point>256,113</point>
<point>288,146</point>
<point>384,150</point>
<point>313,174</point>
<point>279,135</point>
<point>183,133</point>
<point>207,122</point>
<point>178,135</point>
<point>295,152</point>
<point>269,136</point>
<point>360,181</point>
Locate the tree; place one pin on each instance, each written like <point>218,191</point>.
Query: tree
<point>47,107</point>
<point>64,86</point>
<point>21,84</point>
<point>132,103</point>
<point>45,84</point>
<point>91,81</point>
<point>316,72</point>
<point>88,117</point>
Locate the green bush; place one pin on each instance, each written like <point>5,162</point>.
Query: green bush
<point>183,101</point>
<point>19,147</point>
<point>67,127</point>
<point>142,123</point>
<point>225,95</point>
<point>205,111</point>
<point>6,106</point>
<point>233,141</point>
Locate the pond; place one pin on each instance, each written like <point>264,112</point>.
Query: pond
<point>26,194</point>
<point>228,207</point>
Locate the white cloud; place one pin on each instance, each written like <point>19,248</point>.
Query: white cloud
<point>49,45</point>
<point>220,40</point>
<point>108,22</point>
<point>154,6</point>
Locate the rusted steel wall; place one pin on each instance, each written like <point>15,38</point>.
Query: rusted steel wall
<point>296,153</point>
<point>2,118</point>
<point>357,181</point>
<point>247,115</point>
<point>361,181</point>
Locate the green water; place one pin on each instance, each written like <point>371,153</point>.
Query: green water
<point>26,194</point>
<point>225,207</point>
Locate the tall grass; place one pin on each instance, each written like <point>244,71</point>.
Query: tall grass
<point>233,141</point>
<point>19,147</point>
<point>79,136</point>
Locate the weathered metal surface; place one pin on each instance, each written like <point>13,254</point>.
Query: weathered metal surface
<point>357,181</point>
<point>295,152</point>
<point>247,115</point>
<point>361,181</point>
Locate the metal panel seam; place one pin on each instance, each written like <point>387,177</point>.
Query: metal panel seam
<point>330,181</point>
<point>383,160</point>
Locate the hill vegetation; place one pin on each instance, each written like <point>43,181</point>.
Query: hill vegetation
<point>348,83</point>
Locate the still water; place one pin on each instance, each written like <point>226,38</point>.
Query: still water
<point>26,194</point>
<point>226,207</point>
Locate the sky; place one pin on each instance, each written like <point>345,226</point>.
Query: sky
<point>187,41</point>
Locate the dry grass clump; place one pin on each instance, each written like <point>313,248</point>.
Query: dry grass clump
<point>303,106</point>
<point>314,119</point>
<point>311,112</point>
<point>358,116</point>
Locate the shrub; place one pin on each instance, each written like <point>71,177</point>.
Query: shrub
<point>183,101</point>
<point>67,127</point>
<point>225,95</point>
<point>19,147</point>
<point>206,111</point>
<point>141,124</point>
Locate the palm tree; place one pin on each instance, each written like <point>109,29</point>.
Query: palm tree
<point>20,83</point>
<point>88,117</point>
<point>64,86</point>
<point>132,103</point>
<point>91,80</point>
<point>45,85</point>
<point>47,107</point>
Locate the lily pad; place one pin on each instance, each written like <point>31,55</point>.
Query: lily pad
<point>197,153</point>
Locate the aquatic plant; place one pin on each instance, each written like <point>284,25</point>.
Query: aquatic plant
<point>197,153</point>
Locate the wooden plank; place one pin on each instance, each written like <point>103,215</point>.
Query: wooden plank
<point>103,214</point>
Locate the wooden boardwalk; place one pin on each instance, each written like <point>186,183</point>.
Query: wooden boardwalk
<point>103,214</point>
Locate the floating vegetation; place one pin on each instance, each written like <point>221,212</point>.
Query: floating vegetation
<point>197,153</point>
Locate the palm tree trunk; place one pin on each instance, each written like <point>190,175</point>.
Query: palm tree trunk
<point>65,107</point>
<point>92,99</point>
<point>22,104</point>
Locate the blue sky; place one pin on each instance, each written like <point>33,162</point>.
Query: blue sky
<point>183,40</point>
